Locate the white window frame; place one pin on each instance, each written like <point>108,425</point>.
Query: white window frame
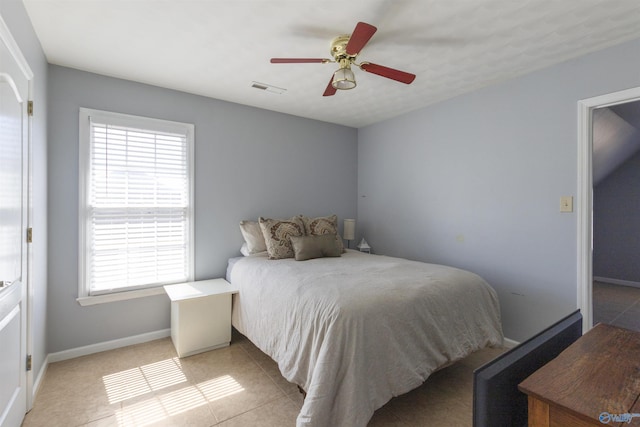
<point>126,120</point>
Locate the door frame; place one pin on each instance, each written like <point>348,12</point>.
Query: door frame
<point>27,176</point>
<point>585,194</point>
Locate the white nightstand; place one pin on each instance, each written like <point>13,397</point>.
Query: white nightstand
<point>200,315</point>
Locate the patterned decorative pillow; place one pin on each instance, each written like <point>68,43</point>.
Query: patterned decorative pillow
<point>322,225</point>
<point>253,237</point>
<point>276,234</point>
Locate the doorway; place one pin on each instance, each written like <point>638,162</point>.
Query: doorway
<point>585,194</point>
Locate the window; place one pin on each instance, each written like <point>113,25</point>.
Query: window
<point>136,202</point>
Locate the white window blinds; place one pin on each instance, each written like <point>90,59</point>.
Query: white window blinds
<point>138,206</point>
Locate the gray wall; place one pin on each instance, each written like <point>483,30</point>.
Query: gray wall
<point>15,16</point>
<point>616,223</point>
<point>249,162</point>
<point>475,182</point>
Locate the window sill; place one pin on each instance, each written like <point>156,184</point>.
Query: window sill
<point>120,296</point>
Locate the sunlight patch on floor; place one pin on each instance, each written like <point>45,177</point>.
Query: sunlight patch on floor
<point>219,388</point>
<point>124,386</point>
<point>141,380</point>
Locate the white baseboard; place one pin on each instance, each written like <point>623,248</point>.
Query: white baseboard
<point>107,345</point>
<point>509,343</point>
<point>617,281</point>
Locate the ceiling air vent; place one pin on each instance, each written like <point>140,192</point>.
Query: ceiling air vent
<point>268,88</point>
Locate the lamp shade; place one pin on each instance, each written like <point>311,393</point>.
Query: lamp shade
<point>344,79</point>
<point>349,231</point>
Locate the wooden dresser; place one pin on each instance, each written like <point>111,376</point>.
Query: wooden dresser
<point>596,378</point>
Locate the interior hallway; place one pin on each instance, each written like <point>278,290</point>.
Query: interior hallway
<point>616,305</point>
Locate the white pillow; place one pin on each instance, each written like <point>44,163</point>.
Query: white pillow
<point>253,237</point>
<point>244,250</point>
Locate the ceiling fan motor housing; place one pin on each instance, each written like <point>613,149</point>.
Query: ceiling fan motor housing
<point>339,48</point>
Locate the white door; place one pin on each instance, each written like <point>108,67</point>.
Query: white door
<point>14,88</point>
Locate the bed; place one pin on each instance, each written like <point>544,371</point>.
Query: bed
<point>356,330</point>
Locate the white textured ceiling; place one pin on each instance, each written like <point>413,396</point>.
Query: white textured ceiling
<point>218,48</point>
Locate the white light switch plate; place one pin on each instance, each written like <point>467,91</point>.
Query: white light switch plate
<point>566,204</point>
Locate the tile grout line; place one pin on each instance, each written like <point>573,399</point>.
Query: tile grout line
<point>607,290</point>
<point>621,313</point>
<point>265,371</point>
<point>284,394</point>
<point>625,310</point>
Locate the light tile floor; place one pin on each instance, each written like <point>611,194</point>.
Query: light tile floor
<point>616,305</point>
<point>148,385</point>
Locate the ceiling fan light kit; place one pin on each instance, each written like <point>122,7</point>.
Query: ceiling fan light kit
<point>344,78</point>
<point>344,50</point>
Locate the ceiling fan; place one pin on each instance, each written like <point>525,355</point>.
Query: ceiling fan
<point>345,49</point>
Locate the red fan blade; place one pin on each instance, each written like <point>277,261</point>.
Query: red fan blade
<point>390,73</point>
<point>298,60</point>
<point>360,37</point>
<point>330,90</point>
